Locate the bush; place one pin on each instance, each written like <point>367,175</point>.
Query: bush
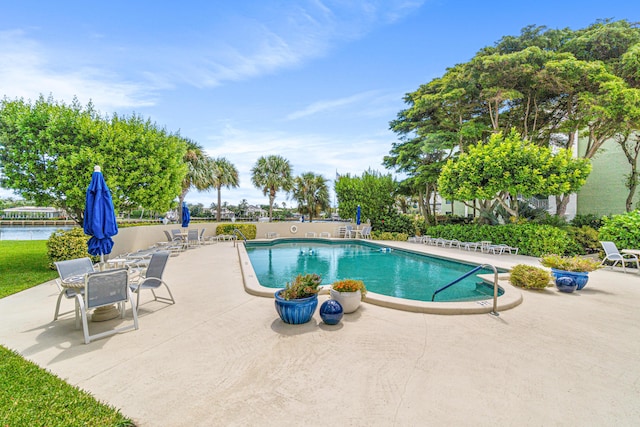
<point>532,239</point>
<point>303,286</point>
<point>385,235</point>
<point>529,277</point>
<point>68,244</point>
<point>623,230</point>
<point>589,220</point>
<point>586,239</point>
<point>249,230</point>
<point>394,223</point>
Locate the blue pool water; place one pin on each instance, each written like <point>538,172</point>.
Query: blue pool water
<point>394,272</point>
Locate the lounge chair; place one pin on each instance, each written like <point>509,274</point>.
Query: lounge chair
<point>104,288</point>
<point>612,254</point>
<point>71,280</point>
<point>152,278</point>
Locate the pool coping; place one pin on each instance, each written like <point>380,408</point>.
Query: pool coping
<point>511,297</point>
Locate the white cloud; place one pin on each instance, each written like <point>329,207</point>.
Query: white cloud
<point>28,69</point>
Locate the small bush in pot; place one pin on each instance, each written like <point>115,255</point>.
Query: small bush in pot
<point>350,285</point>
<point>566,263</point>
<point>303,286</point>
<point>349,293</point>
<point>529,277</point>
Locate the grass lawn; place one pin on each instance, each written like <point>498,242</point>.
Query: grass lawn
<point>30,395</point>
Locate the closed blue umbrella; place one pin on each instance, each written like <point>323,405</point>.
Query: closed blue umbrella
<point>186,216</point>
<point>99,216</point>
<point>358,215</point>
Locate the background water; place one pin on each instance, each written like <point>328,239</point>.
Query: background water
<point>29,232</point>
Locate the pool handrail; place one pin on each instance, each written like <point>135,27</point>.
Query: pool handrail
<point>236,231</point>
<point>469,273</point>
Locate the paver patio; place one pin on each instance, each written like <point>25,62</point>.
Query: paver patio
<point>220,356</point>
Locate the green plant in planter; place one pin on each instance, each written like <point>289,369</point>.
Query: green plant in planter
<point>303,286</point>
<point>529,277</point>
<point>566,263</point>
<point>350,285</point>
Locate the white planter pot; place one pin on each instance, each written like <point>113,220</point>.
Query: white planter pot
<point>350,301</point>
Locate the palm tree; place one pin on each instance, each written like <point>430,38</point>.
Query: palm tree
<point>198,165</point>
<point>312,194</point>
<point>271,174</point>
<point>223,174</point>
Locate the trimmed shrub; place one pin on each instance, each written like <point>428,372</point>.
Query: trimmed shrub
<point>385,235</point>
<point>586,239</point>
<point>623,230</point>
<point>589,220</point>
<point>68,244</point>
<point>532,239</point>
<point>394,223</point>
<point>249,230</point>
<point>529,277</point>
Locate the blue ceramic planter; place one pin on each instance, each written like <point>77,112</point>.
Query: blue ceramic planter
<point>296,311</point>
<point>580,277</point>
<point>331,312</point>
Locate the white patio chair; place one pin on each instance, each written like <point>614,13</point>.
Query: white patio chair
<point>612,254</point>
<point>104,288</point>
<point>151,278</point>
<point>71,271</point>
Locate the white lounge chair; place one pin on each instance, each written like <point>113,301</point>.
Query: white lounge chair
<point>612,254</point>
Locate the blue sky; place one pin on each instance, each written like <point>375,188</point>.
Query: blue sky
<point>315,81</point>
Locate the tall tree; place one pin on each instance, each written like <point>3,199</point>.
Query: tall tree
<point>312,194</point>
<point>48,150</point>
<point>373,191</point>
<point>223,174</point>
<point>198,174</point>
<point>272,174</point>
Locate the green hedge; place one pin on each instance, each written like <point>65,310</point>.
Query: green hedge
<point>532,239</point>
<point>623,230</point>
<point>249,230</point>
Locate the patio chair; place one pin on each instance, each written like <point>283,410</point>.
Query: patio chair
<point>152,278</point>
<point>612,254</point>
<point>104,288</point>
<point>366,232</point>
<point>193,238</point>
<point>347,230</point>
<point>71,272</point>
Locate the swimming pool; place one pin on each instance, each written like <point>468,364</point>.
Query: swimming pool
<point>391,272</point>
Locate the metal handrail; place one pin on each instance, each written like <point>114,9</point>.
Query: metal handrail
<point>494,311</point>
<point>236,231</point>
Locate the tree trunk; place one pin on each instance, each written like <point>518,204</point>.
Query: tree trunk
<point>219,210</point>
<point>631,153</point>
<point>562,201</point>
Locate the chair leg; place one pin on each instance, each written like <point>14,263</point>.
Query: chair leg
<point>83,313</point>
<point>55,315</point>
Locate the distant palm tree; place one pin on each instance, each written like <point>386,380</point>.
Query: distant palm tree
<point>223,174</point>
<point>198,165</point>
<point>311,193</point>
<point>271,174</point>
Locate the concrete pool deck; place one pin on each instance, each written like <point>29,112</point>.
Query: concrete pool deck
<point>221,356</point>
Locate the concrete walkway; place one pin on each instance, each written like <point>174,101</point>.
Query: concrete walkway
<point>222,357</point>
